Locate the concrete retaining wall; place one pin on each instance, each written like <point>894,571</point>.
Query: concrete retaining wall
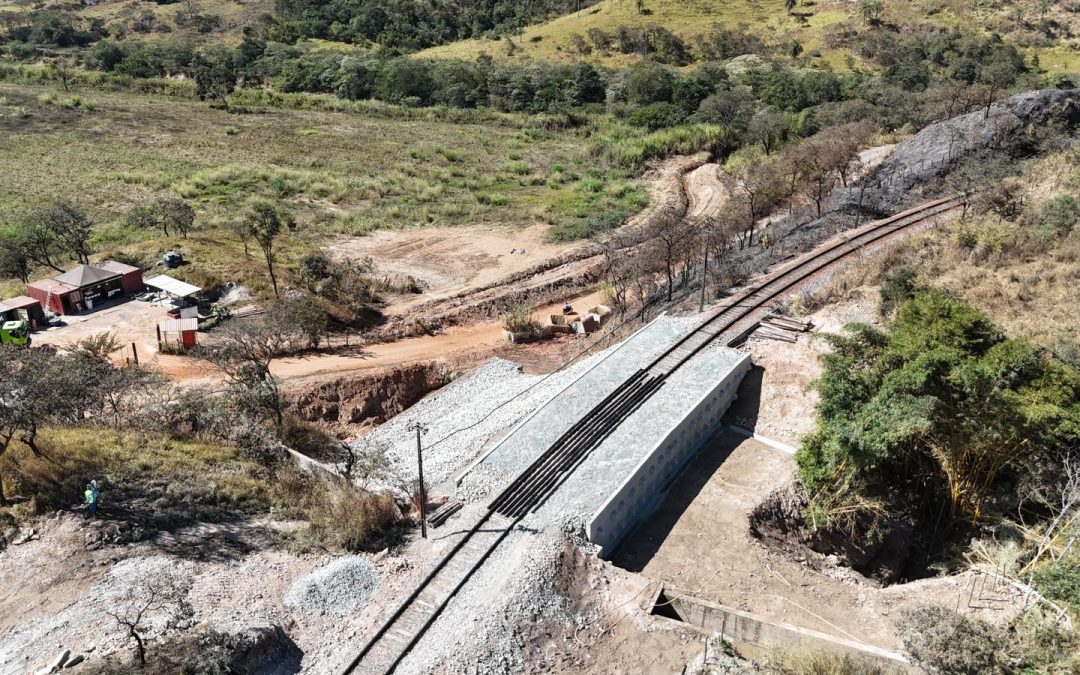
<point>752,636</point>
<point>643,490</point>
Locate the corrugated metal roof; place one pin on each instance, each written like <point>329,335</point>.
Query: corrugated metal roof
<point>178,325</point>
<point>172,286</point>
<point>86,275</point>
<point>52,286</point>
<point>18,302</point>
<point>119,267</point>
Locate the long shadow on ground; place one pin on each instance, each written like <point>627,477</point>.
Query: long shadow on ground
<point>643,542</point>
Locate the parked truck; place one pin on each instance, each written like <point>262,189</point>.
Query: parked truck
<point>15,333</point>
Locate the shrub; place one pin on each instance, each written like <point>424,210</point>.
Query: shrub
<point>341,514</point>
<point>520,320</point>
<point>656,116</point>
<point>309,440</point>
<point>1061,581</point>
<point>1057,217</point>
<point>944,642</point>
<point>896,287</point>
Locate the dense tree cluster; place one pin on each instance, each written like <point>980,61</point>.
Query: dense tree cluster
<point>925,422</point>
<point>409,24</point>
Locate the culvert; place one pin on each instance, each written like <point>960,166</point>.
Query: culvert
<point>753,637</point>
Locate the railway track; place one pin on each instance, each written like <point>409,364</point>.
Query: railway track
<point>396,637</point>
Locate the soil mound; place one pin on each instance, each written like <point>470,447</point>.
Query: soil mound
<point>781,523</point>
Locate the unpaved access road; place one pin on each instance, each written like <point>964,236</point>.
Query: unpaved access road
<point>707,188</point>
<point>480,339</point>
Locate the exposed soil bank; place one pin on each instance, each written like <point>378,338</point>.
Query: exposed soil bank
<point>353,403</point>
<point>781,523</point>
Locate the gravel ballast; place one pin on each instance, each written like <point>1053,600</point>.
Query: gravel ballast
<point>337,589</point>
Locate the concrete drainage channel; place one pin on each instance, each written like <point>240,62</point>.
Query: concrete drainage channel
<point>753,637</point>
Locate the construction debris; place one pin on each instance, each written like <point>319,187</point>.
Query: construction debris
<point>443,513</point>
<point>785,329</point>
<point>787,323</point>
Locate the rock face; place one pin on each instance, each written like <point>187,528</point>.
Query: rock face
<point>1011,126</point>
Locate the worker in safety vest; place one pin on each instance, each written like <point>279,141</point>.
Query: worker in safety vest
<point>91,495</point>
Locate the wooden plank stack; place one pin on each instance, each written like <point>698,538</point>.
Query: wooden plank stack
<point>443,513</point>
<point>783,328</point>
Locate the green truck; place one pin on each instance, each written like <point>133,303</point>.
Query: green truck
<point>15,333</point>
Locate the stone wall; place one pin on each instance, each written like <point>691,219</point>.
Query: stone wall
<point>643,490</point>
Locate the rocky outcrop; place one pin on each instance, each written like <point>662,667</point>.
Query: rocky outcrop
<point>1012,126</point>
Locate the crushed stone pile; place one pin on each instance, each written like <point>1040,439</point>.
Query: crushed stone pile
<point>492,398</point>
<point>339,588</point>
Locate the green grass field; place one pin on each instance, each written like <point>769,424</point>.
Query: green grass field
<point>338,173</point>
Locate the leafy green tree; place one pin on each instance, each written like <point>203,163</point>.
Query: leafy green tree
<point>60,226</point>
<point>215,75</point>
<point>586,85</point>
<point>105,55</point>
<point>934,411</point>
<point>649,82</point>
<point>265,221</point>
<point>15,260</point>
<point>404,79</point>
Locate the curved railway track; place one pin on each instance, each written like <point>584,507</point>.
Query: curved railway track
<point>396,637</point>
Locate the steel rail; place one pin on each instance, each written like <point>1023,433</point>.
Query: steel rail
<point>532,487</point>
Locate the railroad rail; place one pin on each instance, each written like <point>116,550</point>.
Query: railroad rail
<point>396,637</point>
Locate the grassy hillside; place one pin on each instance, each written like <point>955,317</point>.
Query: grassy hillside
<point>207,21</point>
<point>1049,30</point>
<point>335,172</point>
<point>686,18</point>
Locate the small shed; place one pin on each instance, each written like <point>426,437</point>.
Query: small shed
<point>130,276</point>
<point>54,296</point>
<point>23,307</point>
<point>177,333</point>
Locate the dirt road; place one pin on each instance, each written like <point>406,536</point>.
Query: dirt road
<point>707,188</point>
<point>480,339</point>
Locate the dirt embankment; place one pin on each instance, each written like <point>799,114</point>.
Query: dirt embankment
<point>552,279</point>
<point>352,404</point>
<point>707,189</point>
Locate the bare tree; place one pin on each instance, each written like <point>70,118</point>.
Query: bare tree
<point>158,598</point>
<point>619,268</point>
<point>670,239</point>
<point>758,183</point>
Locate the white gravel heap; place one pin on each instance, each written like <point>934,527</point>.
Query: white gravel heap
<point>471,407</point>
<point>337,589</point>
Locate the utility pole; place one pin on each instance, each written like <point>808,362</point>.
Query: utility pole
<point>421,429</point>
<point>705,269</point>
